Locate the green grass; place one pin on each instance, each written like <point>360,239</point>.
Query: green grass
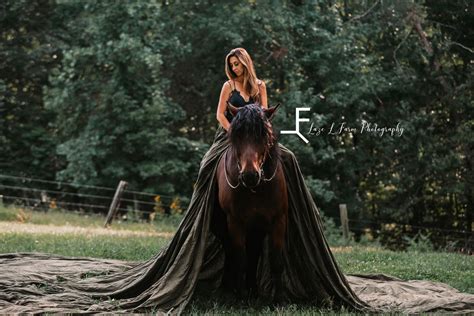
<point>60,217</point>
<point>451,268</point>
<point>128,248</point>
<point>98,246</point>
<point>211,306</point>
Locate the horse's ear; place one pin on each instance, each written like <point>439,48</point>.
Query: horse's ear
<point>270,112</point>
<point>232,109</point>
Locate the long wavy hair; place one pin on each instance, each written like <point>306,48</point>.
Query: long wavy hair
<point>250,83</point>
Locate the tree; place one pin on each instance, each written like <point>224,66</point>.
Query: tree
<point>113,121</point>
<point>30,35</point>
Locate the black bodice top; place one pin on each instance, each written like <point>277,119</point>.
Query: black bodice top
<point>237,100</point>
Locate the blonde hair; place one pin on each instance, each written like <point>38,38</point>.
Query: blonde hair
<point>250,83</point>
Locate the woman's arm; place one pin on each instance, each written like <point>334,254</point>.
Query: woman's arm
<point>221,107</point>
<point>263,94</point>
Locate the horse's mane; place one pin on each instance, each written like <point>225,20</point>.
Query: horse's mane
<point>250,125</point>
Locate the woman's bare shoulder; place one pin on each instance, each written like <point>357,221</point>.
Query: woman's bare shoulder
<point>226,85</point>
<point>260,82</point>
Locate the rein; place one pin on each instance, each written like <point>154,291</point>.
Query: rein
<point>239,181</point>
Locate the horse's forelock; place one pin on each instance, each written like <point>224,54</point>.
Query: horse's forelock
<point>250,125</point>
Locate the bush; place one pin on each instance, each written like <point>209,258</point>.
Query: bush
<point>333,233</point>
<point>419,243</point>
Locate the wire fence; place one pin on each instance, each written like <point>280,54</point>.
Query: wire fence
<point>64,184</point>
<point>408,225</point>
<point>43,194</point>
<point>46,194</point>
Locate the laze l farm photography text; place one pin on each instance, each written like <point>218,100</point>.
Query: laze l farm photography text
<point>339,128</point>
<point>336,128</point>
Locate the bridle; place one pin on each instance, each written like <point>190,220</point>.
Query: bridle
<point>261,173</point>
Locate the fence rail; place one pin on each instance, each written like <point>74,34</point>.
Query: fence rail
<point>43,194</point>
<point>145,203</point>
<point>77,185</point>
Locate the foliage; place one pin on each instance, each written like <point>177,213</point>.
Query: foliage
<point>128,90</point>
<point>113,119</point>
<point>29,36</point>
<point>419,243</point>
<point>333,233</point>
<point>168,220</point>
<point>354,63</point>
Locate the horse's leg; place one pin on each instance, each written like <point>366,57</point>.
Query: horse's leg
<point>277,240</point>
<point>227,278</point>
<point>254,250</point>
<point>238,254</point>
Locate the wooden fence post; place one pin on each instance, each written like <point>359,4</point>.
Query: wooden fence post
<point>135,202</point>
<point>344,221</point>
<point>115,202</point>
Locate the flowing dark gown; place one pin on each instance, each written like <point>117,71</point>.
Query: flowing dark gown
<point>194,259</point>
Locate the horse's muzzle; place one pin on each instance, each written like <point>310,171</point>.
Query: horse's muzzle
<point>250,179</point>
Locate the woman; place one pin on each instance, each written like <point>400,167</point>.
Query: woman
<point>242,88</point>
<point>194,258</point>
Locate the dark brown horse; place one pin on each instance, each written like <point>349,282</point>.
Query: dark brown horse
<point>252,199</point>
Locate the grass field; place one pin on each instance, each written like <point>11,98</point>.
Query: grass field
<point>59,217</point>
<point>44,232</point>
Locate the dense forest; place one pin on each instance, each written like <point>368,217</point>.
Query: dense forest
<point>94,92</point>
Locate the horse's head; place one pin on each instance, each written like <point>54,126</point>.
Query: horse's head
<point>252,138</point>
